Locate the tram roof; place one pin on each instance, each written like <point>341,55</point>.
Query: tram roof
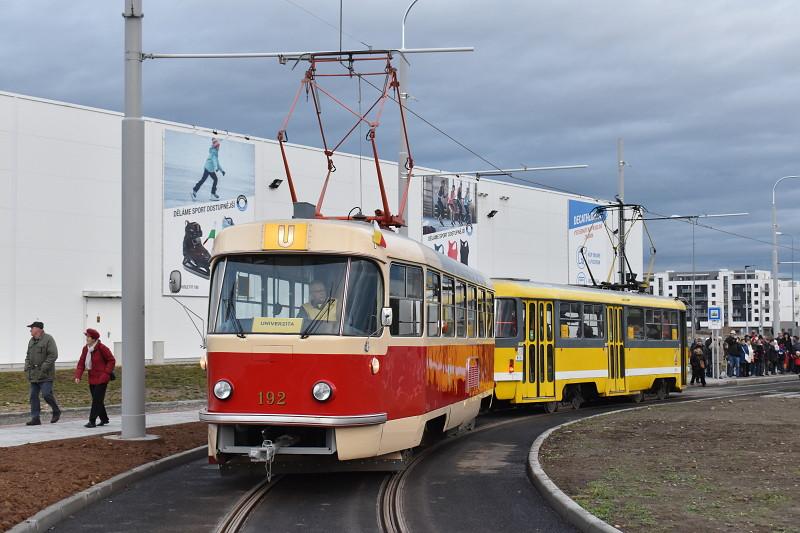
<point>555,291</point>
<point>349,237</point>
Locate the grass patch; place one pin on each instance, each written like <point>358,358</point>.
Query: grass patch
<point>162,383</point>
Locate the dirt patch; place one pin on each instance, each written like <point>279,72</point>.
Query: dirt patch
<point>34,476</point>
<point>715,465</point>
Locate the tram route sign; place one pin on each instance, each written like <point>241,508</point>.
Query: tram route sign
<point>715,317</point>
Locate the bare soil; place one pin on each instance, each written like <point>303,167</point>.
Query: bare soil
<point>714,465</point>
<point>34,476</point>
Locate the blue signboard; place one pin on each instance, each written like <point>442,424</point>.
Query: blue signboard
<point>584,213</point>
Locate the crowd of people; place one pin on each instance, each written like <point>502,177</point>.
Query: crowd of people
<point>748,355</point>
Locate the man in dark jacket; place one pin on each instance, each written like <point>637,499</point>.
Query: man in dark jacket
<point>40,368</point>
<point>733,349</point>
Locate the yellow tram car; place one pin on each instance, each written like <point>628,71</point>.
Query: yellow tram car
<point>566,343</point>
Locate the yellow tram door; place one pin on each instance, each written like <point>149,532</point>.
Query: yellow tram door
<point>615,349</point>
<point>540,350</point>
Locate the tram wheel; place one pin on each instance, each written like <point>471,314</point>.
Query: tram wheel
<point>550,407</point>
<point>662,393</point>
<point>576,400</point>
<point>638,397</point>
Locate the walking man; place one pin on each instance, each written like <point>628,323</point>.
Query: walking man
<point>40,368</point>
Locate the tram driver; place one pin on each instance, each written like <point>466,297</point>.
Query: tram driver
<point>321,304</point>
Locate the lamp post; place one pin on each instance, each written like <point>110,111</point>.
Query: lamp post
<point>776,320</point>
<point>747,300</point>
<point>693,221</point>
<point>774,333</point>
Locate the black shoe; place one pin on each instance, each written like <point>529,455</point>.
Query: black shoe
<point>103,422</point>
<point>90,425</point>
<point>56,417</point>
<point>33,422</point>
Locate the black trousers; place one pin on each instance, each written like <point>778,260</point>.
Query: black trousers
<point>98,403</point>
<point>206,174</point>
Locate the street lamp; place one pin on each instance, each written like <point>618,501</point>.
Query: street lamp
<point>774,333</point>
<point>776,320</point>
<point>693,221</point>
<point>747,300</point>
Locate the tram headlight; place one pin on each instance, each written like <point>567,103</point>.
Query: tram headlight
<point>322,391</point>
<point>223,389</point>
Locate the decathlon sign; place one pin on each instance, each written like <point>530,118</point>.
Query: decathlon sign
<point>583,213</point>
<point>588,244</point>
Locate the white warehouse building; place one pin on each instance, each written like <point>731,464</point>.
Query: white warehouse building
<point>60,171</point>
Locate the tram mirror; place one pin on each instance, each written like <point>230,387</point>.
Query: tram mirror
<point>277,309</point>
<point>386,316</point>
<point>175,282</point>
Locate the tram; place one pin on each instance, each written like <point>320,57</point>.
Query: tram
<point>334,344</point>
<point>565,343</point>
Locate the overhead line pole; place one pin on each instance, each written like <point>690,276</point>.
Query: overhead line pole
<point>133,229</point>
<point>776,301</point>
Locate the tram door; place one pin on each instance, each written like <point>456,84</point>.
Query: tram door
<point>540,350</point>
<point>615,349</point>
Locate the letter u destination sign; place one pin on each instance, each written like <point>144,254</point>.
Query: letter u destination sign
<point>285,237</point>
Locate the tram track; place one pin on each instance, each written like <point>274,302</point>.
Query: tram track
<point>237,516</point>
<point>391,518</point>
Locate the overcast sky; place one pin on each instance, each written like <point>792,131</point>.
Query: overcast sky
<point>706,95</point>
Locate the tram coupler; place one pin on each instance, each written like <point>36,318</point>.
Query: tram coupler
<point>269,449</point>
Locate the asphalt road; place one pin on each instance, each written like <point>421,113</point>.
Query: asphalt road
<point>474,483</point>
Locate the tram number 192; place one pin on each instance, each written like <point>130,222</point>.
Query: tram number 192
<point>271,398</point>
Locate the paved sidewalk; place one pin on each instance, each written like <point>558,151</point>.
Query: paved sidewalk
<point>67,428</point>
<point>721,382</point>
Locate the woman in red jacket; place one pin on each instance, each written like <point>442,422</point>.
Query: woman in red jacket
<point>97,359</point>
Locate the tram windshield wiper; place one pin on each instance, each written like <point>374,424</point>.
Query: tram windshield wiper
<point>308,330</point>
<point>231,308</point>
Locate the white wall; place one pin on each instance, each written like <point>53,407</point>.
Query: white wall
<point>60,207</point>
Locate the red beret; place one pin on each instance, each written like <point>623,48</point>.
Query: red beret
<point>92,333</point>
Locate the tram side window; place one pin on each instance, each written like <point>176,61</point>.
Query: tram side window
<point>448,307</point>
<point>461,309</point>
<point>481,313</point>
<point>405,299</point>
<point>569,320</point>
<point>472,311</point>
<point>635,320</point>
<point>433,297</point>
<point>652,324</point>
<point>490,314</point>
<point>669,330</point>
<point>506,318</point>
<point>593,321</point>
<point>364,298</point>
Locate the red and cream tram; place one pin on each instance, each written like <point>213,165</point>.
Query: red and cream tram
<point>331,342</point>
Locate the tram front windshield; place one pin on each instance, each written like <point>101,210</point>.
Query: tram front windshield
<point>291,295</point>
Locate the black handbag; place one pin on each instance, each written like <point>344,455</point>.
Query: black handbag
<point>112,376</point>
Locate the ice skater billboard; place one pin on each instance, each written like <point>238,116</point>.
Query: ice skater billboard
<point>448,217</point>
<point>209,184</point>
<point>586,234</point>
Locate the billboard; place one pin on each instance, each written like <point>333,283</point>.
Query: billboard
<point>449,204</point>
<point>209,184</point>
<point>586,234</point>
